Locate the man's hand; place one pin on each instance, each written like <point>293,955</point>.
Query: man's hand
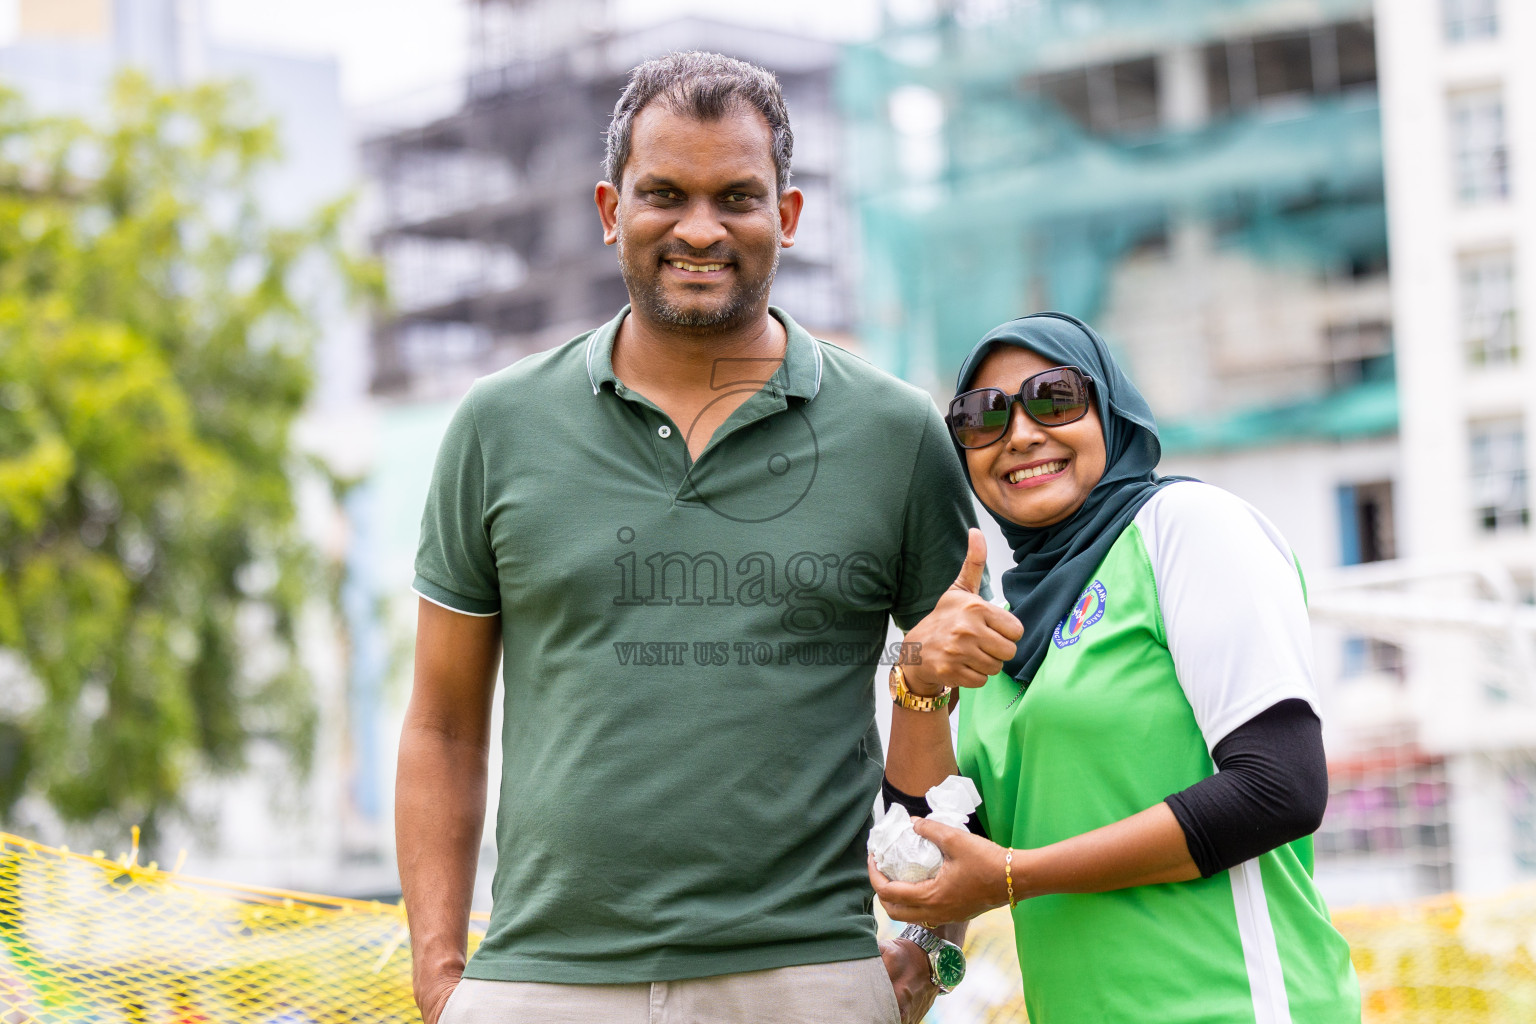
<point>911,977</point>
<point>432,994</point>
<point>966,638</point>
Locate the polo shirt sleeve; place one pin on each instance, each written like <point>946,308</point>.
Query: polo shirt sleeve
<point>455,566</point>
<point>938,515</point>
<point>1233,608</point>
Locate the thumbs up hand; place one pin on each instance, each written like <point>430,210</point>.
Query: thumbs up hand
<point>969,579</point>
<point>966,638</point>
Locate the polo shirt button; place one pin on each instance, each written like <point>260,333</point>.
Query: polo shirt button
<point>664,430</point>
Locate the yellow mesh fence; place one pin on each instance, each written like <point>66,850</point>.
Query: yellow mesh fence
<point>88,940</point>
<point>92,940</point>
<point>1445,960</point>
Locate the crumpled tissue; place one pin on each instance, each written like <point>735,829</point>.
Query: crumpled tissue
<point>904,856</point>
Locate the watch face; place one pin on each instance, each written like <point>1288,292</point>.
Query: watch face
<point>949,965</point>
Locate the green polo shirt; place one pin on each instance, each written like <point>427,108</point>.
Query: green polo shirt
<point>689,747</point>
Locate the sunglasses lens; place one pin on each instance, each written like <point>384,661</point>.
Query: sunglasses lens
<point>979,417</point>
<point>1056,397</point>
<point>1053,398</point>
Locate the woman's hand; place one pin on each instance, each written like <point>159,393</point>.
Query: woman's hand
<point>966,638</point>
<point>969,883</point>
<point>1148,848</point>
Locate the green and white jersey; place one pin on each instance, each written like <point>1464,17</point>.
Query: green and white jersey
<point>1194,623</point>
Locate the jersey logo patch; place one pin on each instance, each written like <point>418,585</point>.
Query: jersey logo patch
<point>1088,610</point>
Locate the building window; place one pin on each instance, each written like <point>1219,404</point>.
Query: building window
<point>1242,72</point>
<point>1282,66</point>
<point>1470,19</point>
<point>1498,475</point>
<point>1478,147</point>
<point>1488,308</point>
<point>1104,99</point>
<point>1355,42</point>
<point>1367,531</point>
<point>1368,656</point>
<point>1359,351</point>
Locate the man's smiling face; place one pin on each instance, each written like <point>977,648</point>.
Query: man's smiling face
<point>699,221</point>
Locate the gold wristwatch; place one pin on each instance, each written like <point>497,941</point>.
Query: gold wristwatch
<point>905,698</point>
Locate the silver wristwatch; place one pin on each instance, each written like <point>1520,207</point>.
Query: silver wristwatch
<point>946,962</point>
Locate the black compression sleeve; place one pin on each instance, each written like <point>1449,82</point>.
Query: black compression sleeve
<point>1270,788</point>
<point>917,806</point>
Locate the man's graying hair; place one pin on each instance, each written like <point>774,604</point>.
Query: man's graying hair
<point>704,86</point>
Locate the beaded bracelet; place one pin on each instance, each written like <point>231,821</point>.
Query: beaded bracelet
<point>1008,877</point>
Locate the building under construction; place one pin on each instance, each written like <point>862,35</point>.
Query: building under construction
<point>1206,182</point>
<point>489,234</point>
<point>1022,156</point>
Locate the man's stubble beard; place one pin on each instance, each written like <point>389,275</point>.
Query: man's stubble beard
<point>645,295</point>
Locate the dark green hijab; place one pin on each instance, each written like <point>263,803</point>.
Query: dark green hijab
<point>1053,564</point>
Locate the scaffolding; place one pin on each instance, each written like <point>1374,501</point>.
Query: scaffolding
<point>1010,155</point>
<point>489,235</point>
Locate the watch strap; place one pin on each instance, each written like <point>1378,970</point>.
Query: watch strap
<point>905,698</point>
<point>928,941</point>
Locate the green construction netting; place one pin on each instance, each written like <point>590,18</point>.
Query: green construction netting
<point>1023,210</point>
<point>989,41</point>
<point>1365,410</point>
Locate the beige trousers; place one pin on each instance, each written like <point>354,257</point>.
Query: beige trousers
<point>847,992</point>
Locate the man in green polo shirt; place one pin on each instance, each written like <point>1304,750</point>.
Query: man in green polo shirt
<point>682,534</point>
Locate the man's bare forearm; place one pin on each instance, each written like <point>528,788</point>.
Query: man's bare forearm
<point>920,755</point>
<point>439,815</point>
<point>440,791</point>
<point>954,932</point>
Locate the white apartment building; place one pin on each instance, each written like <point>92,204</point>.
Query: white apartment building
<point>1458,98</point>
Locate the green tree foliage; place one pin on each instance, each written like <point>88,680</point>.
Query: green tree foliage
<point>155,336</point>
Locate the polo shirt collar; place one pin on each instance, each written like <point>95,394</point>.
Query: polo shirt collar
<point>799,375</point>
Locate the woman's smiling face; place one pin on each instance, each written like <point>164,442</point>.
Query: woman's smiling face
<point>1064,463</point>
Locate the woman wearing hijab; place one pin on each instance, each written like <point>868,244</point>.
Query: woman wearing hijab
<point>1141,724</point>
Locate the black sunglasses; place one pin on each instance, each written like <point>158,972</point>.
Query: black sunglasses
<point>1052,398</point>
